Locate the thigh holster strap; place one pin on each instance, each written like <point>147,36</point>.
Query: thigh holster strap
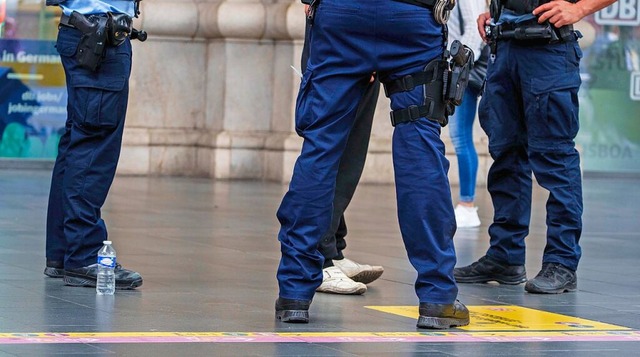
<point>412,113</point>
<point>434,106</point>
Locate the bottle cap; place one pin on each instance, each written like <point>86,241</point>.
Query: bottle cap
<point>106,242</point>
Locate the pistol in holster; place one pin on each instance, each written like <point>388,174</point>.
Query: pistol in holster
<point>98,32</point>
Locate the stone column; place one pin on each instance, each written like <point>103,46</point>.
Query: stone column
<point>213,94</point>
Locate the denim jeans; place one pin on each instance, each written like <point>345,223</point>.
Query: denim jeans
<point>461,132</point>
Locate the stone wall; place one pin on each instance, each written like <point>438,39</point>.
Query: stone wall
<point>213,94</point>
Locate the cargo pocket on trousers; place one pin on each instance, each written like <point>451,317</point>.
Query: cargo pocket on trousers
<point>555,114</point>
<point>100,101</point>
<point>65,47</point>
<point>304,106</point>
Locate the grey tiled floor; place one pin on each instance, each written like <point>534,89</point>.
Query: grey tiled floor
<point>208,253</point>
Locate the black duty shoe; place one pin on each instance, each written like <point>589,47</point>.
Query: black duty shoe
<point>554,278</point>
<point>86,276</point>
<point>54,269</point>
<point>487,269</point>
<point>293,311</point>
<point>441,316</point>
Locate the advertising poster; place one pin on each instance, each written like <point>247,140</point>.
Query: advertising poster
<point>32,91</point>
<point>610,92</point>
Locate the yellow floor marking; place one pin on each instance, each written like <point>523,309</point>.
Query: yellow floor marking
<point>512,318</point>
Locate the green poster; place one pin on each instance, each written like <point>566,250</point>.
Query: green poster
<point>610,95</point>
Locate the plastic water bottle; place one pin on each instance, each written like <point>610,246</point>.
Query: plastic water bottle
<point>106,284</point>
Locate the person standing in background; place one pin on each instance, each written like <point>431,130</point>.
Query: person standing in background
<point>462,27</point>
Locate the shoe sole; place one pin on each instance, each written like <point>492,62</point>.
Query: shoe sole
<point>367,276</point>
<point>54,272</point>
<point>536,290</point>
<point>500,279</point>
<point>90,283</point>
<point>293,316</point>
<point>358,291</point>
<point>440,323</point>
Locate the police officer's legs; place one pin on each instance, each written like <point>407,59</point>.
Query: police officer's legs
<point>331,88</point>
<point>339,280</point>
<point>306,210</point>
<point>344,37</point>
<point>425,213</point>
<point>56,244</point>
<point>549,80</point>
<point>90,149</point>
<point>425,209</point>
<point>552,122</point>
<point>509,181</point>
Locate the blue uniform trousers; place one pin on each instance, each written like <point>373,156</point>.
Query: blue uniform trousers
<point>529,110</point>
<point>351,165</point>
<point>349,41</point>
<point>88,152</point>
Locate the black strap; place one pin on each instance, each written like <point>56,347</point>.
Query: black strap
<point>434,107</point>
<point>64,20</point>
<point>423,3</point>
<point>409,82</point>
<point>136,8</point>
<point>412,113</point>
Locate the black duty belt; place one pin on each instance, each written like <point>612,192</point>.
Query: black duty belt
<point>533,32</point>
<point>65,20</point>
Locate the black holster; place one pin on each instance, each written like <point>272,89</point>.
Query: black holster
<point>461,65</point>
<point>93,41</point>
<point>98,32</point>
<point>434,106</point>
<point>444,84</point>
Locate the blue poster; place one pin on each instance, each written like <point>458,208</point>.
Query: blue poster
<point>33,99</point>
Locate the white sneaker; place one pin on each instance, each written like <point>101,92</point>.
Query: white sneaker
<point>467,217</point>
<point>362,273</point>
<point>336,282</point>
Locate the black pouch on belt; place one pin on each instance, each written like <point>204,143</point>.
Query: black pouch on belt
<point>119,27</point>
